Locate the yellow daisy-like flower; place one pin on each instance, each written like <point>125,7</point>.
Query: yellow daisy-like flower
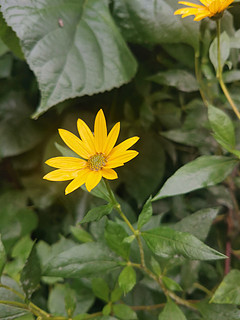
<point>210,8</point>
<point>99,156</point>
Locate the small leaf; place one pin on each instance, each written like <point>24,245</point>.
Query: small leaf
<point>100,289</point>
<point>114,235</point>
<point>155,267</point>
<point>146,214</point>
<point>116,294</point>
<point>166,242</point>
<point>3,257</point>
<point>80,234</point>
<point>224,47</point>
<point>171,312</point>
<point>70,302</point>
<point>171,284</point>
<point>124,312</point>
<point>181,79</point>
<point>202,172</point>
<point>222,127</point>
<point>97,213</point>
<point>229,289</point>
<point>31,273</point>
<point>107,309</point>
<point>129,239</point>
<point>127,279</point>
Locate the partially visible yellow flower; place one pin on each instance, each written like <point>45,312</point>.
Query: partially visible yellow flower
<point>210,8</point>
<point>97,152</point>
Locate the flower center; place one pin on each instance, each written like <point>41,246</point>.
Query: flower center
<point>96,162</point>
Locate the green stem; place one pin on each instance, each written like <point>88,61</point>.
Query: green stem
<point>14,304</point>
<point>219,72</point>
<point>119,210</point>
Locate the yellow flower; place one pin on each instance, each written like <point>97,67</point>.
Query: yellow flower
<point>210,8</point>
<point>97,152</point>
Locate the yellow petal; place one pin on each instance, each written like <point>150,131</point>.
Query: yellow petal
<point>190,4</point>
<point>86,136</point>
<point>111,139</point>
<point>66,163</point>
<point>78,181</point>
<point>202,16</point>
<point>74,143</point>
<point>122,158</point>
<point>61,175</point>
<point>109,174</point>
<point>100,131</point>
<point>93,178</point>
<point>123,146</point>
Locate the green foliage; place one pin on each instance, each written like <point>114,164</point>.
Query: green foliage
<point>162,240</point>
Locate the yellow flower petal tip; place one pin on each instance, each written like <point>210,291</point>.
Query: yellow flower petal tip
<point>208,8</point>
<point>98,152</point>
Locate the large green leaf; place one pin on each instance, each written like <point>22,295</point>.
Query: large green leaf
<point>200,173</point>
<point>153,21</point>
<point>171,312</point>
<point>229,289</point>
<point>73,47</point>
<point>211,311</point>
<point>87,259</point>
<point>166,242</point>
<point>198,223</point>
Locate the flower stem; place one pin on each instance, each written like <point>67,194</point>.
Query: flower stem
<point>117,206</point>
<point>219,72</point>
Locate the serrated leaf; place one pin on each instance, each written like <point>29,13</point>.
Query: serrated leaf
<point>74,47</point>
<point>202,172</point>
<point>147,22</point>
<point>124,312</point>
<point>224,47</point>
<point>146,213</point>
<point>171,312</point>
<point>229,289</point>
<point>166,242</point>
<point>97,213</point>
<point>100,289</point>
<point>127,279</point>
<point>86,259</point>
<point>180,79</point>
<point>3,257</point>
<point>222,127</point>
<point>198,223</point>
<point>31,273</point>
<point>115,235</point>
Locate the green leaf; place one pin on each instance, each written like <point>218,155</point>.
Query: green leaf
<point>10,312</point>
<point>70,303</point>
<point>222,127</point>
<point>80,234</point>
<point>198,223</point>
<point>224,47</point>
<point>74,47</point>
<point>127,279</point>
<point>116,294</point>
<point>115,235</point>
<point>202,172</point>
<point>31,273</point>
<point>81,296</point>
<point>155,266</point>
<point>146,214</point>
<point>166,242</point>
<point>229,289</point>
<point>100,289</point>
<point>171,312</point>
<point>211,311</point>
<point>15,117</point>
<point>97,213</point>
<point>124,312</point>
<point>181,79</point>
<point>9,37</point>
<point>6,62</point>
<point>86,259</point>
<point>147,22</point>
<point>3,257</point>
<point>171,284</point>
<point>107,309</point>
